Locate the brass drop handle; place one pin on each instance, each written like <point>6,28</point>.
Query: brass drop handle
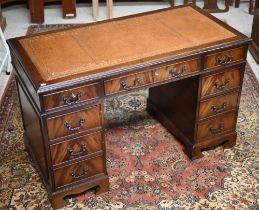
<point>221,60</point>
<point>73,99</point>
<point>184,68</point>
<point>217,130</point>
<point>68,125</point>
<point>124,85</point>
<point>230,57</point>
<point>225,58</point>
<point>219,86</point>
<point>77,176</point>
<point>217,110</point>
<point>174,73</point>
<point>83,151</point>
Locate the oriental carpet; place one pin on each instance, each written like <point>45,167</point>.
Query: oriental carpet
<point>145,163</point>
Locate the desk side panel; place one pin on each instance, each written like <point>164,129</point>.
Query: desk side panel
<point>25,81</point>
<point>33,137</point>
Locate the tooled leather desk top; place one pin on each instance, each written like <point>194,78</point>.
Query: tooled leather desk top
<point>103,46</point>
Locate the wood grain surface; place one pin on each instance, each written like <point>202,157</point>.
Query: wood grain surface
<point>218,105</point>
<point>76,148</point>
<point>71,96</point>
<point>225,57</point>
<point>218,83</point>
<point>176,70</point>
<point>217,126</point>
<point>80,120</point>
<point>78,171</point>
<point>128,82</point>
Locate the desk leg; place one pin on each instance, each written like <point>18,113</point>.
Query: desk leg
<point>109,8</point>
<point>97,187</point>
<point>69,8</point>
<point>176,105</point>
<point>237,3</point>
<point>95,9</point>
<point>212,6</point>
<point>37,11</point>
<point>172,3</point>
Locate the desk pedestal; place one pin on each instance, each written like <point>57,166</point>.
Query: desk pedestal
<point>179,110</point>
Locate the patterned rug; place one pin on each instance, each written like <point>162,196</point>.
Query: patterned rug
<point>146,165</point>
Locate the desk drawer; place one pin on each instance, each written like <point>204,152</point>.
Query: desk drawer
<point>218,83</point>
<point>74,122</point>
<point>225,57</point>
<point>76,148</point>
<point>176,70</point>
<point>128,82</point>
<point>78,171</point>
<point>216,126</point>
<point>218,105</point>
<point>71,96</point>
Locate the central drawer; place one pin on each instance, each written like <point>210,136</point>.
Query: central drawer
<point>177,70</point>
<point>78,171</point>
<point>74,122</point>
<point>127,82</point>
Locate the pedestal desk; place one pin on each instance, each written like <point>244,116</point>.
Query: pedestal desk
<point>192,63</point>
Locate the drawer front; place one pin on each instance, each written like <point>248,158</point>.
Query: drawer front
<point>217,126</point>
<point>78,171</point>
<point>218,105</point>
<point>74,122</point>
<point>225,57</point>
<point>218,83</point>
<point>71,96</point>
<point>176,70</point>
<point>127,82</point>
<point>76,148</point>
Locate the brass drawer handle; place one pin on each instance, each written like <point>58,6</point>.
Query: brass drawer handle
<point>173,73</point>
<point>70,128</point>
<point>217,130</point>
<point>74,98</point>
<point>77,176</point>
<point>124,85</point>
<point>230,57</point>
<point>83,151</point>
<point>184,68</point>
<point>225,59</point>
<point>217,110</point>
<point>219,86</point>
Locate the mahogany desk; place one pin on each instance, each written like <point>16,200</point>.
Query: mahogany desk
<point>192,63</point>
